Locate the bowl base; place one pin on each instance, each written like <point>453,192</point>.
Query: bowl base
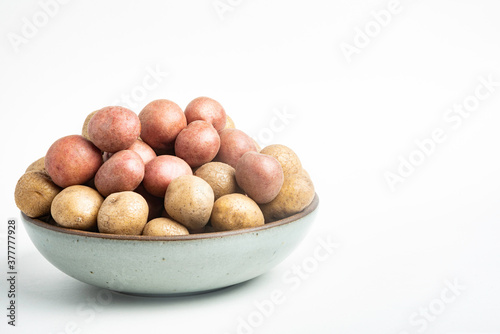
<point>171,295</point>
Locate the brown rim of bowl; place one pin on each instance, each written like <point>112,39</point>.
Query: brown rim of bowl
<point>310,208</point>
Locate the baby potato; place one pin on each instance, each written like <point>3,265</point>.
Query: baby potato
<point>260,176</point>
<point>125,213</point>
<point>206,109</point>
<point>197,144</point>
<point>144,150</point>
<point>114,128</point>
<point>161,171</point>
<point>295,195</point>
<point>72,160</point>
<point>123,171</point>
<point>189,200</point>
<point>229,123</point>
<point>34,193</point>
<point>161,120</point>
<point>220,176</point>
<point>164,227</point>
<point>85,127</point>
<point>287,158</point>
<point>233,144</point>
<point>234,212</point>
<point>77,207</point>
<point>38,165</point>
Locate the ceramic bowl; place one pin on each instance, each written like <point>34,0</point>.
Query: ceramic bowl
<point>169,265</point>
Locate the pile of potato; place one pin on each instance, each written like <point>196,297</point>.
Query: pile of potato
<point>163,172</point>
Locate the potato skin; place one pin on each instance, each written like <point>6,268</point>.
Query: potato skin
<point>164,227</point>
<point>123,213</point>
<point>114,128</point>
<point>260,176</point>
<point>295,195</point>
<point>233,144</point>
<point>161,171</point>
<point>197,144</point>
<point>288,159</point>
<point>206,109</point>
<point>124,171</point>
<point>72,160</point>
<point>144,150</point>
<point>220,176</point>
<point>38,165</point>
<point>161,120</point>
<point>34,193</point>
<point>234,212</point>
<point>85,127</point>
<point>77,207</point>
<point>189,200</point>
<point>229,123</point>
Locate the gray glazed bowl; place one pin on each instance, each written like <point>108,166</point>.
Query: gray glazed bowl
<point>169,265</point>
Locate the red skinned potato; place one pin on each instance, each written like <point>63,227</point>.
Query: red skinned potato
<point>233,144</point>
<point>124,171</point>
<point>72,160</point>
<point>197,144</point>
<point>161,171</point>
<point>260,176</point>
<point>206,109</point>
<point>144,150</point>
<point>161,121</point>
<point>113,129</point>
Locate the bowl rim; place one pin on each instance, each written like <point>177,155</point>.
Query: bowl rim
<point>198,236</point>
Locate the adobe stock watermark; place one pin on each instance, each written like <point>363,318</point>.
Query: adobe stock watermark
<point>292,279</point>
<point>151,81</point>
<point>421,320</point>
<point>280,119</point>
<point>453,119</point>
<point>31,26</point>
<point>224,7</point>
<point>380,19</point>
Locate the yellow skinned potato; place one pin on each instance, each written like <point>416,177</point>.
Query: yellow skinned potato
<point>234,212</point>
<point>229,123</point>
<point>164,227</point>
<point>85,127</point>
<point>77,207</point>
<point>125,212</point>
<point>34,193</point>
<point>38,165</point>
<point>295,195</point>
<point>189,200</point>
<point>289,161</point>
<point>220,176</point>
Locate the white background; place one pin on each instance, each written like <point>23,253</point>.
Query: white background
<point>349,121</point>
